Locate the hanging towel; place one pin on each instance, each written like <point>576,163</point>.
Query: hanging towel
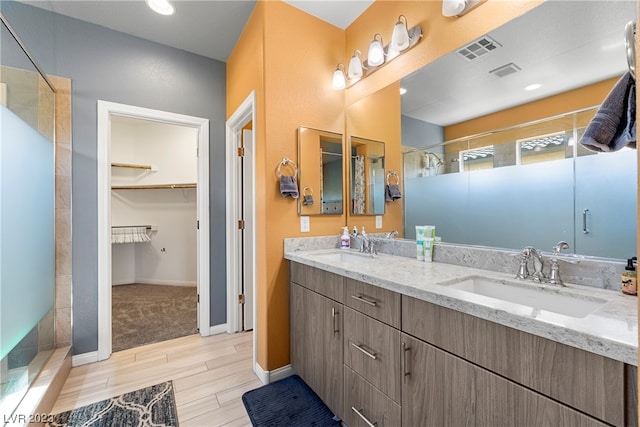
<point>307,200</point>
<point>392,193</point>
<point>288,186</point>
<point>614,125</point>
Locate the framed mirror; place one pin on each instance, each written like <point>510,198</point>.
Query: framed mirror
<point>320,166</point>
<point>367,183</point>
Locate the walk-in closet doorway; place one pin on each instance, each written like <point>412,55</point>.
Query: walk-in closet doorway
<point>153,225</point>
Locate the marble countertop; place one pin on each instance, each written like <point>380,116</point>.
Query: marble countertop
<point>611,330</point>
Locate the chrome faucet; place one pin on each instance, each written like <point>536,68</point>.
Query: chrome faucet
<point>528,252</point>
<point>367,244</point>
<point>391,234</point>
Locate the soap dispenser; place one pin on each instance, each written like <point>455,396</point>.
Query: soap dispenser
<point>629,278</point>
<point>345,239</point>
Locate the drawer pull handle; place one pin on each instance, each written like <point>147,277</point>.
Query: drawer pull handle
<point>361,415</point>
<point>360,298</point>
<point>406,372</point>
<point>334,315</point>
<point>367,353</point>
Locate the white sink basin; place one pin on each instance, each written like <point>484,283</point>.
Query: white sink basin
<point>530,295</point>
<point>344,255</point>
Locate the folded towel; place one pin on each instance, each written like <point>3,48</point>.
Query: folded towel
<point>614,125</point>
<point>288,186</point>
<point>392,193</point>
<point>307,200</point>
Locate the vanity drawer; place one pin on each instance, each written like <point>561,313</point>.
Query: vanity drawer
<point>323,282</point>
<point>364,402</point>
<point>373,301</point>
<point>583,380</point>
<point>372,349</point>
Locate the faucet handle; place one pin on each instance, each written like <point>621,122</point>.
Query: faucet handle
<point>560,246</point>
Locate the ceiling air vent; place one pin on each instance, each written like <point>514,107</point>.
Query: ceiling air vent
<point>505,70</point>
<point>479,48</point>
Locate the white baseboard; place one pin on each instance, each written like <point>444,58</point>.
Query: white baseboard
<point>267,377</point>
<point>218,329</point>
<point>84,358</point>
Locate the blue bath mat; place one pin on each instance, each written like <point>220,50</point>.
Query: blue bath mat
<point>288,402</point>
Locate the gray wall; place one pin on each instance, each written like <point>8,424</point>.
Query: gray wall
<point>420,134</point>
<point>111,66</point>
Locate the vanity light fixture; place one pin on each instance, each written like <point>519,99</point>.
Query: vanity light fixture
<point>375,56</point>
<point>402,40</point>
<point>459,7</point>
<point>403,90</point>
<point>163,7</point>
<point>355,66</point>
<point>400,37</point>
<point>339,79</point>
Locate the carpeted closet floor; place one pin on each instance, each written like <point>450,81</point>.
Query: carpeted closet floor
<point>144,314</point>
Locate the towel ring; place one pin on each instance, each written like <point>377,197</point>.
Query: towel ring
<point>630,46</point>
<point>310,191</point>
<point>287,162</point>
<point>391,175</point>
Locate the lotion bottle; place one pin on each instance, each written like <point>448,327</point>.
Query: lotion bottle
<point>345,239</point>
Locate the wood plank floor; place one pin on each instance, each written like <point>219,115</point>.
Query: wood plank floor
<point>209,375</point>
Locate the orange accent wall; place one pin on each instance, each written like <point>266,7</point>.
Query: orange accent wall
<point>287,57</point>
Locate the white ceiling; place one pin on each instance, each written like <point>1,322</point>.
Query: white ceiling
<point>206,27</point>
<point>560,44</point>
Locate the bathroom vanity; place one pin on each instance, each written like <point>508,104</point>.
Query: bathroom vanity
<point>392,341</point>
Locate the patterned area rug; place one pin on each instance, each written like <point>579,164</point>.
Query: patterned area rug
<point>144,314</point>
<point>150,406</point>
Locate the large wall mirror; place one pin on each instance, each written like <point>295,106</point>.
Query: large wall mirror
<point>367,183</point>
<point>320,164</point>
<point>532,184</point>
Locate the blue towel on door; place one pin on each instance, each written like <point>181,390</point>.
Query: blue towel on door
<point>614,125</point>
<point>288,186</point>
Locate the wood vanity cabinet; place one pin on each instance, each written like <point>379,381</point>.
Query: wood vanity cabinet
<point>408,362</point>
<point>316,332</point>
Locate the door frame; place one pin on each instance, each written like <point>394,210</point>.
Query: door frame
<point>244,114</point>
<point>105,111</point>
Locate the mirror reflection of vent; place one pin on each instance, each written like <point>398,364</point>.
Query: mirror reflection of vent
<point>478,153</point>
<point>479,48</point>
<point>543,142</point>
<point>505,70</point>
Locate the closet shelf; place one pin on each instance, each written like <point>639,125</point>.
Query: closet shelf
<point>131,166</point>
<point>152,187</point>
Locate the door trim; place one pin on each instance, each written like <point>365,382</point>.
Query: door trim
<point>105,111</point>
<point>244,114</point>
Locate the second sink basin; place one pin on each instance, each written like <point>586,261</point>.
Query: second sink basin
<point>344,255</point>
<point>530,295</point>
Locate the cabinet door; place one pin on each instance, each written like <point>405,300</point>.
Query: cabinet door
<point>440,389</point>
<point>316,344</point>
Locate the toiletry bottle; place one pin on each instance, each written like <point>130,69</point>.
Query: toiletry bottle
<point>345,239</point>
<point>629,278</point>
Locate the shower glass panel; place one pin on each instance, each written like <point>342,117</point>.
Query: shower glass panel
<point>27,240</point>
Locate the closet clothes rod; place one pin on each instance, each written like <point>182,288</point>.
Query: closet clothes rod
<point>131,166</point>
<point>148,227</point>
<point>152,187</point>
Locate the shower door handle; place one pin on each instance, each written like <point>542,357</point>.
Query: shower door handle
<point>585,230</point>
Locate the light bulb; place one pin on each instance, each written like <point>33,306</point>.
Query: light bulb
<point>453,7</point>
<point>163,7</point>
<point>375,56</point>
<point>400,37</point>
<point>339,81</point>
<point>355,66</point>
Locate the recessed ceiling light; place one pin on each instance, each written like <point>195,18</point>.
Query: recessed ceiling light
<point>533,86</point>
<point>403,91</point>
<point>163,7</point>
